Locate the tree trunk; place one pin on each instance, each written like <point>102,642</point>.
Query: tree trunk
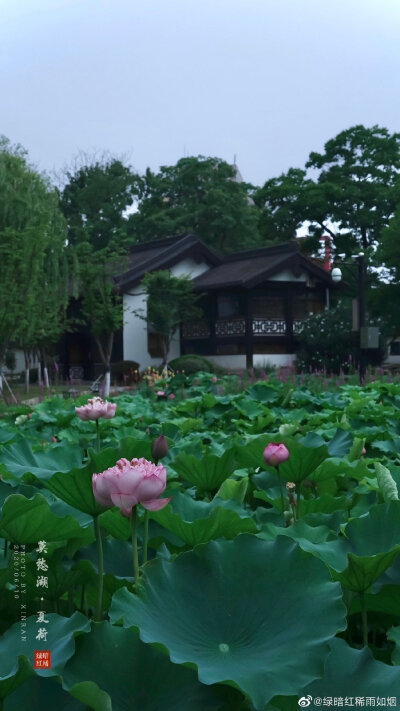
<point>43,357</point>
<point>27,358</point>
<point>165,350</point>
<point>105,355</point>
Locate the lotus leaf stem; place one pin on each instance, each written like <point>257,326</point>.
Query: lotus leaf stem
<point>145,536</point>
<point>134,544</point>
<point>100,566</point>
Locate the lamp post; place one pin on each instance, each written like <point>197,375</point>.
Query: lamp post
<point>336,275</point>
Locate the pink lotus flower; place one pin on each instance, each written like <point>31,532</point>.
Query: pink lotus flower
<point>214,379</point>
<point>96,408</point>
<point>160,393</point>
<point>171,396</point>
<point>130,483</point>
<point>274,454</point>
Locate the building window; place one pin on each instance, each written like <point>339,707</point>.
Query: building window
<point>395,348</point>
<point>268,307</point>
<point>228,306</point>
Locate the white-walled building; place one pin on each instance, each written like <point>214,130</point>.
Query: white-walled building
<point>253,301</point>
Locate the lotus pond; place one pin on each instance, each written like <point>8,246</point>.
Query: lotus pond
<point>256,587</point>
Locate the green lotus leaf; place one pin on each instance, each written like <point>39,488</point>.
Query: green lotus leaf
<point>374,542</point>
<point>324,504</point>
<point>28,520</point>
<point>334,466</point>
<point>16,650</point>
<point>250,455</point>
<point>75,488</point>
<point>18,459</point>
<point>198,521</point>
<point>394,636</point>
<point>233,490</point>
<point>243,611</point>
<point>262,393</point>
<point>340,444</point>
<point>249,408</point>
<point>302,461</point>
<point>117,557</point>
<point>353,672</point>
<point>386,600</point>
<point>116,524</point>
<point>128,448</point>
<point>133,675</point>
<point>317,540</point>
<point>7,435</point>
<point>39,693</point>
<point>208,473</point>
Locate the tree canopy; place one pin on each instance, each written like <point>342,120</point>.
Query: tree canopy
<point>200,195</point>
<point>95,202</point>
<point>170,301</point>
<point>349,191</point>
<point>33,267</point>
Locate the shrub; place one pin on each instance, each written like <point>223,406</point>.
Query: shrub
<point>328,343</point>
<point>193,364</point>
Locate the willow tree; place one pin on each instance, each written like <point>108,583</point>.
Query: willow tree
<point>32,252</point>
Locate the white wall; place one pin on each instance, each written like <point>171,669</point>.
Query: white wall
<point>238,362</point>
<point>20,362</point>
<point>135,330</point>
<point>287,275</point>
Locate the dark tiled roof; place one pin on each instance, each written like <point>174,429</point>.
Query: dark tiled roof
<point>249,268</point>
<point>161,254</point>
<point>238,272</point>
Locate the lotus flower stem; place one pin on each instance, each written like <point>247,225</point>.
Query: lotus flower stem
<point>145,536</point>
<point>97,436</point>
<point>100,566</point>
<point>5,547</point>
<point>364,620</point>
<point>134,544</point>
<point>298,503</point>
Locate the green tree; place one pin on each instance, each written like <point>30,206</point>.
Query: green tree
<point>359,173</point>
<point>96,202</point>
<point>350,192</point>
<point>287,202</point>
<point>201,195</point>
<point>170,301</point>
<point>32,252</point>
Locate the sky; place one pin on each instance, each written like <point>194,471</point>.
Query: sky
<point>150,81</point>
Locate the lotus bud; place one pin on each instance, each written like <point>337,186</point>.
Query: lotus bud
<point>159,448</point>
<point>274,454</point>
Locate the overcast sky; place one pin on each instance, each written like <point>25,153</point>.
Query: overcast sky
<point>267,80</point>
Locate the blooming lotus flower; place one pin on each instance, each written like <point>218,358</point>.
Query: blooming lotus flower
<point>129,483</point>
<point>171,396</point>
<point>274,454</point>
<point>160,393</point>
<point>96,408</point>
<point>214,379</point>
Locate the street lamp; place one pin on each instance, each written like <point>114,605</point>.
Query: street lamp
<point>336,275</point>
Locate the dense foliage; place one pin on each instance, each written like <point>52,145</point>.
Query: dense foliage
<point>33,264</point>
<point>263,585</point>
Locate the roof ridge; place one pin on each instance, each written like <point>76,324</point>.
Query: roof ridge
<point>282,247</point>
<point>164,241</point>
